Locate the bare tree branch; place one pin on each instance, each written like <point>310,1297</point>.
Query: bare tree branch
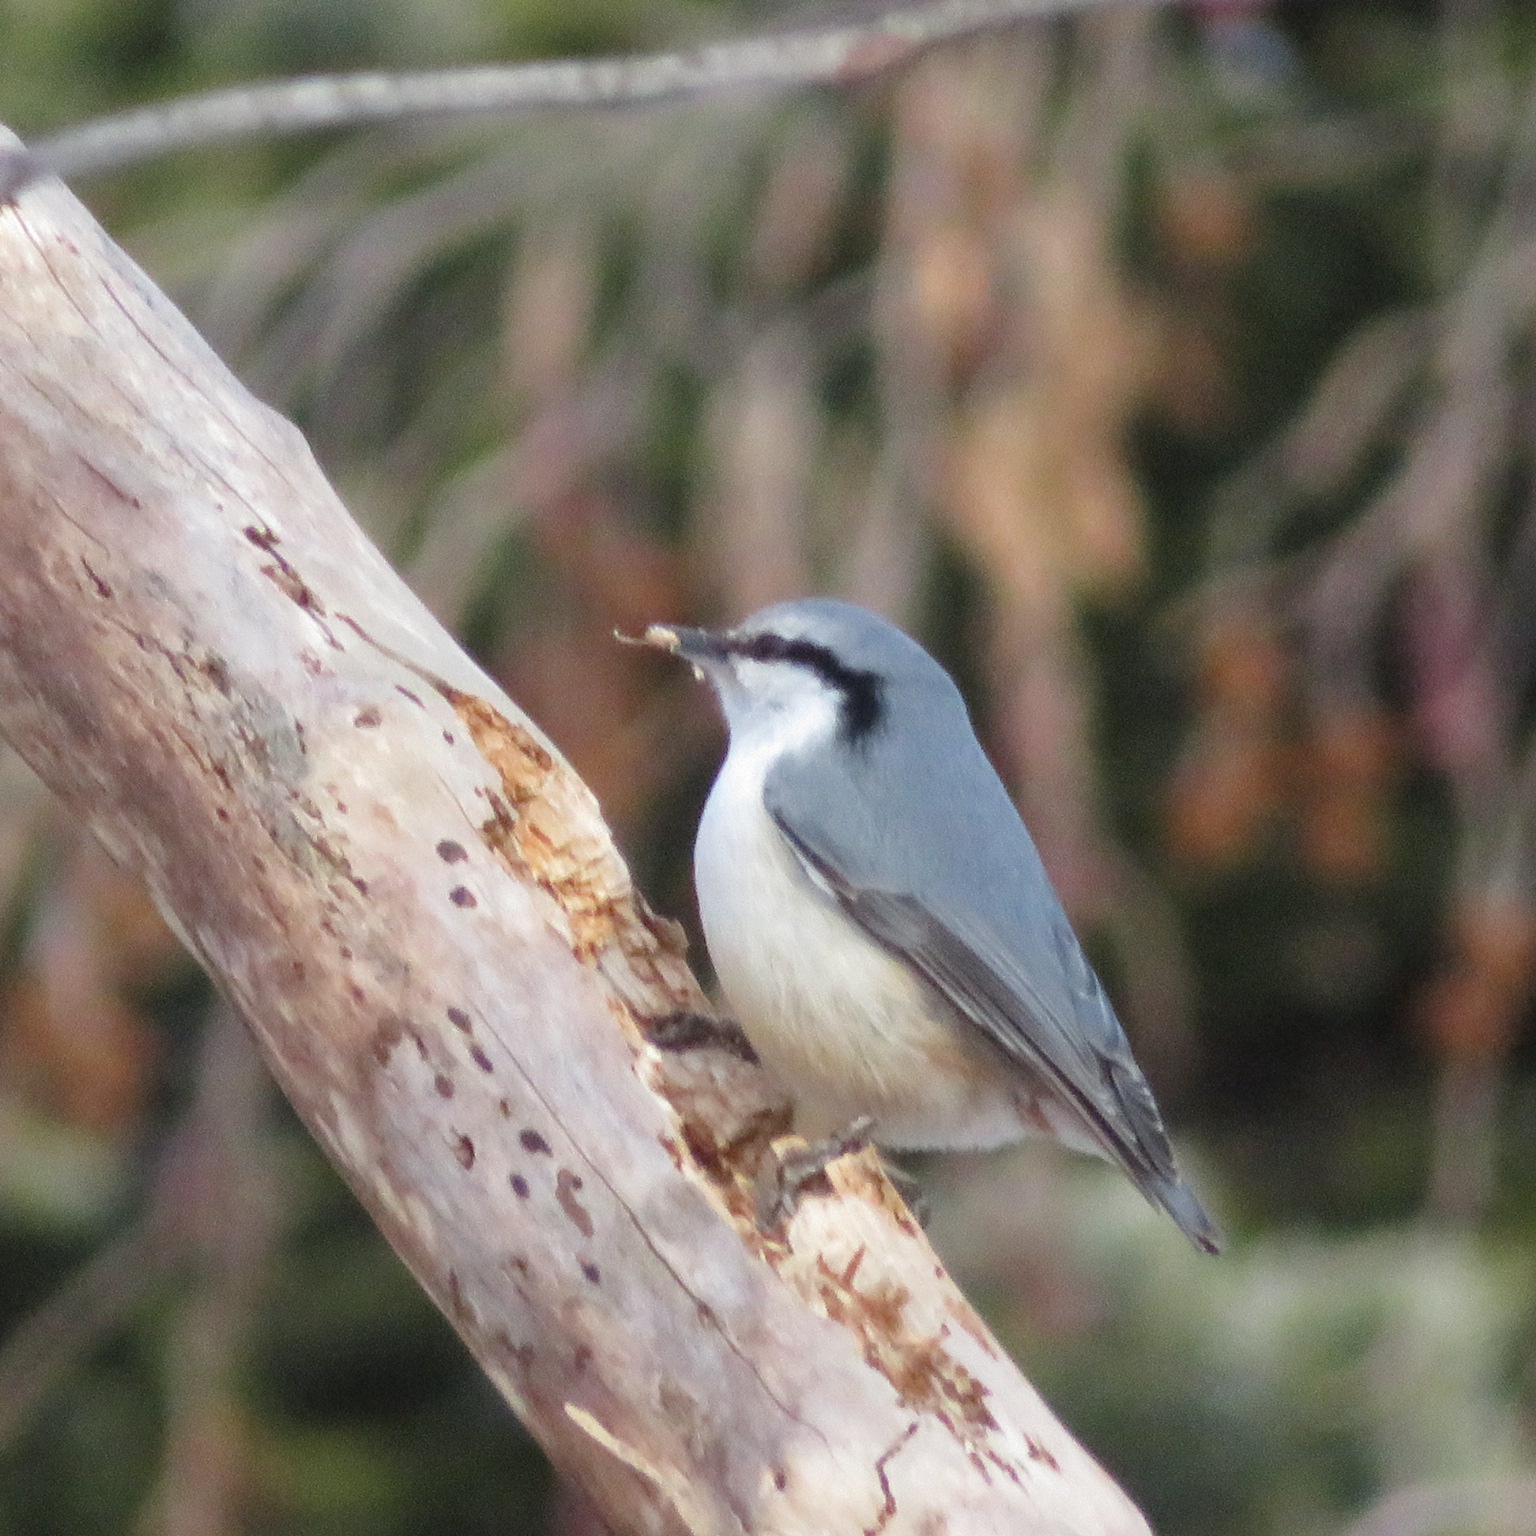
<point>777,61</point>
<point>420,912</point>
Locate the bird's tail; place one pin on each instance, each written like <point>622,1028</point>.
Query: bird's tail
<point>1137,1141</point>
<point>1181,1202</point>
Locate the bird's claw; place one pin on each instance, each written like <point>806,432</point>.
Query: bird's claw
<point>786,1172</point>
<point>685,1031</point>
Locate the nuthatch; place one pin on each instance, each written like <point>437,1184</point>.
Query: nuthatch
<point>879,919</point>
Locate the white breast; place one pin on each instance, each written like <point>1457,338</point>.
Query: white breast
<point>845,1026</point>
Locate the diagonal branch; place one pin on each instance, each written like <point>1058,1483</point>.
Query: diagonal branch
<point>417,907</point>
<point>775,61</point>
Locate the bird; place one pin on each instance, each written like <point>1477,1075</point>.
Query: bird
<point>879,919</point>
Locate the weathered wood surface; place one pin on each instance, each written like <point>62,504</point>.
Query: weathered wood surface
<point>419,910</point>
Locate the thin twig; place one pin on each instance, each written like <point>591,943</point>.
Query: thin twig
<point>776,61</point>
<point>230,1224</point>
<point>92,1304</point>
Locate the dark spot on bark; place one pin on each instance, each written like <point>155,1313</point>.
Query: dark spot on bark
<point>282,574</point>
<point>221,813</point>
<point>102,589</point>
<point>455,1293</point>
<point>462,896</point>
<point>519,1186</point>
<point>566,1186</point>
<point>341,806</point>
<point>582,1358</point>
<point>386,1037</point>
<point>479,1058</point>
<point>448,737</point>
<point>533,1142</point>
<point>444,1086</point>
<point>1038,1452</point>
<point>1007,1468</point>
<point>355,992</point>
<point>593,1273</point>
<point>464,1150</point>
<point>707,1315</point>
<point>523,1354</point>
<point>459,1019</point>
<point>451,852</point>
<point>367,719</point>
<point>405,692</point>
<point>362,886</point>
<point>504,1109</point>
<point>345,952</point>
<point>780,1479</point>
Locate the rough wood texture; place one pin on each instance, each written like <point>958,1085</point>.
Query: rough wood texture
<point>418,908</point>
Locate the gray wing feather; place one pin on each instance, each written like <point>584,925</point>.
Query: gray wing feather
<point>932,860</point>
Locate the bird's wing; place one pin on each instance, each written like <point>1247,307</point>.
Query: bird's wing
<point>990,937</point>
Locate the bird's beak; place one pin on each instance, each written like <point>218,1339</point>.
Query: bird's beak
<point>693,645</point>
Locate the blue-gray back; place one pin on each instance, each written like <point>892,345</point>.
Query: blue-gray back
<point>916,835</point>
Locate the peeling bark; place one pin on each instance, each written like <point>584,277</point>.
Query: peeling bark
<point>417,907</point>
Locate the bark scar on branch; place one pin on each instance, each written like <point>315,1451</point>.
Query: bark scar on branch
<point>588,884</point>
<point>888,1508</point>
<point>641,954</point>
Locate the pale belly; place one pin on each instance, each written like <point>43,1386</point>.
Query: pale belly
<point>848,1029</point>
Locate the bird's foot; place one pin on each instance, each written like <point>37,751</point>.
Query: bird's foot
<point>786,1173</point>
<point>685,1031</point>
<point>911,1192</point>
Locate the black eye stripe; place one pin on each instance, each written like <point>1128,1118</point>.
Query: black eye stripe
<point>862,706</point>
